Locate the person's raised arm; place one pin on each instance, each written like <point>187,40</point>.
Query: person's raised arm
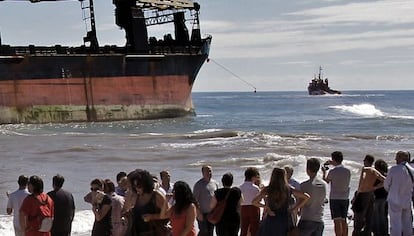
<point>324,176</point>
<point>380,176</point>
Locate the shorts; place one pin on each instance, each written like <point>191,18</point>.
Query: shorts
<point>339,208</point>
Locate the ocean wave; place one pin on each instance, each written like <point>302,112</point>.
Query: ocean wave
<point>204,115</point>
<point>193,145</point>
<point>365,109</point>
<point>376,137</point>
<point>73,149</point>
<point>369,110</point>
<point>363,95</point>
<point>402,117</point>
<point>305,137</point>
<point>12,133</point>
<point>203,131</point>
<point>212,133</point>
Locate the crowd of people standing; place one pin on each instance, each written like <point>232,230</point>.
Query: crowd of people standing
<point>141,204</point>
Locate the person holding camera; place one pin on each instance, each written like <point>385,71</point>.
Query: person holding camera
<point>101,208</point>
<point>339,178</point>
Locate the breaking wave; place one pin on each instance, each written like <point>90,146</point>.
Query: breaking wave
<point>369,110</point>
<point>366,109</point>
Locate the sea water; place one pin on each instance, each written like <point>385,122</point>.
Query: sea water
<point>230,132</point>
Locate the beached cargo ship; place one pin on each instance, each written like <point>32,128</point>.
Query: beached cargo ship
<point>145,79</point>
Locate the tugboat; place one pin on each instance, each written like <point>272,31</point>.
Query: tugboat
<point>319,86</point>
<point>148,78</point>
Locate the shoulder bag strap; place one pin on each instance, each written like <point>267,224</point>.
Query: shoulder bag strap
<point>409,172</point>
<point>228,194</point>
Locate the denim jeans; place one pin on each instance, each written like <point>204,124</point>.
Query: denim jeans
<point>310,228</point>
<point>205,227</point>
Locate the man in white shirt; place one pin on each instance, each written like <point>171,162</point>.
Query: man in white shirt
<point>167,185</point>
<point>15,201</point>
<point>399,185</point>
<point>249,214</point>
<point>203,192</point>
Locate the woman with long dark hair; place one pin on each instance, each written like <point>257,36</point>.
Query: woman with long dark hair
<point>380,213</point>
<point>146,212</point>
<point>277,197</point>
<point>183,213</point>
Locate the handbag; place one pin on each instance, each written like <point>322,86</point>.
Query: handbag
<point>215,215</point>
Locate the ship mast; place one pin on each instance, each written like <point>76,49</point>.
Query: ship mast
<point>90,35</point>
<point>320,72</point>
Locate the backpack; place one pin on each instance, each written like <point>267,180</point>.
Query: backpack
<point>46,215</point>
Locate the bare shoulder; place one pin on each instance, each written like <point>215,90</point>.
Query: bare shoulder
<point>159,195</point>
<point>370,170</point>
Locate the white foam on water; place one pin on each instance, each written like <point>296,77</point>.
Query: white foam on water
<point>6,225</point>
<point>81,226</point>
<point>402,117</point>
<point>369,110</point>
<point>82,223</point>
<point>365,109</point>
<point>203,131</point>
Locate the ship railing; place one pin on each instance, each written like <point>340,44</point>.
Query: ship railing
<point>156,47</point>
<point>31,49</point>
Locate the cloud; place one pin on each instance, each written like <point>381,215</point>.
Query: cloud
<point>384,12</point>
<point>368,26</point>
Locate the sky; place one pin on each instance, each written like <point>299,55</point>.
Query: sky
<point>270,45</point>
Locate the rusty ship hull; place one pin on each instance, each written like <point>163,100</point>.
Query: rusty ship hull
<point>72,88</point>
<point>145,79</point>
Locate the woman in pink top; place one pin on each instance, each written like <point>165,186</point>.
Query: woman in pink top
<point>183,213</point>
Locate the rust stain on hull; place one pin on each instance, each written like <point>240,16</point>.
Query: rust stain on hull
<point>94,99</point>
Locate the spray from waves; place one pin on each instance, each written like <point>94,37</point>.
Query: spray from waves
<point>365,109</point>
<point>369,110</point>
<point>402,117</point>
